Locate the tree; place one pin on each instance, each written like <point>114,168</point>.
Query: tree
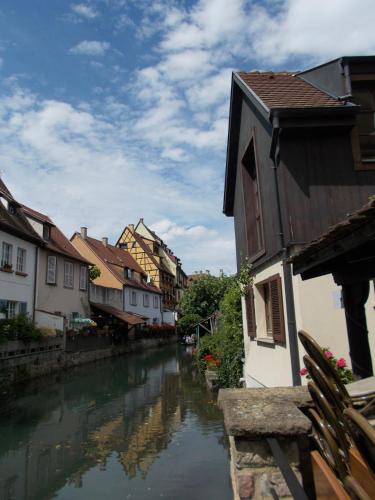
<point>203,297</point>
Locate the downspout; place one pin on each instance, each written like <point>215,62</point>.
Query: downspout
<point>287,271</point>
<point>35,280</point>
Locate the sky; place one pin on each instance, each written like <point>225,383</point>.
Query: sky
<point>112,110</point>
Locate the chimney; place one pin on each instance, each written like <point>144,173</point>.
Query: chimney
<point>83,232</point>
<point>105,241</point>
<point>131,227</point>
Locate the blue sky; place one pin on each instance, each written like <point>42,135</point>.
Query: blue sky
<point>112,110</point>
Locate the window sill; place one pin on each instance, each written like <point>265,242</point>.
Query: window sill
<point>20,273</point>
<point>265,340</point>
<point>6,270</point>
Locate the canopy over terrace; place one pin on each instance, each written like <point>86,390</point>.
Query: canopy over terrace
<point>126,317</point>
<point>347,251</point>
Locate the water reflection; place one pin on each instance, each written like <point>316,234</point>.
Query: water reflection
<point>141,426</point>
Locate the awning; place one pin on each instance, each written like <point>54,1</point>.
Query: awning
<point>126,317</point>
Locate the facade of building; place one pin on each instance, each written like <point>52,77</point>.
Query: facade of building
<point>62,275</point>
<point>300,158</point>
<point>159,262</point>
<point>19,247</point>
<point>122,283</point>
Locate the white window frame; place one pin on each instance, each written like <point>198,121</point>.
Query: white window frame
<point>51,278</point>
<point>133,298</point>
<point>11,309</point>
<point>83,278</point>
<point>6,255</point>
<point>21,260</point>
<point>68,274</point>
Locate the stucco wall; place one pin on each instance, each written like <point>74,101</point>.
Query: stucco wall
<point>150,312</point>
<point>12,286</point>
<point>105,295</point>
<point>318,311</point>
<point>54,298</point>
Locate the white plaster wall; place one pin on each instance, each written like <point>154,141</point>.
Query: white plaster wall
<point>104,295</point>
<point>53,298</point>
<point>49,320</point>
<point>169,317</point>
<point>318,311</point>
<point>149,312</point>
<point>266,364</point>
<point>12,286</point>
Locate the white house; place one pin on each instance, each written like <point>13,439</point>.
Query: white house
<point>19,246</point>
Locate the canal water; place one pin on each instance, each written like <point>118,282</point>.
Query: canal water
<point>141,426</point>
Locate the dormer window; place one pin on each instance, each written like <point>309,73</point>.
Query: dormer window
<point>12,208</point>
<point>128,273</point>
<point>46,232</point>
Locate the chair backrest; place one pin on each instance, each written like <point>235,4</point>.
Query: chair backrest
<point>354,489</point>
<point>334,425</point>
<point>315,352</point>
<point>363,435</point>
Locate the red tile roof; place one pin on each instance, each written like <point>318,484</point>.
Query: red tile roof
<point>5,191</point>
<point>36,215</point>
<point>286,90</point>
<point>117,260</point>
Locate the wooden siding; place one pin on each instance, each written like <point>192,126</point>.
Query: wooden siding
<point>251,125</point>
<point>318,182</point>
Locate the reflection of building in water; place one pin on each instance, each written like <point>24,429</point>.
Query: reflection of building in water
<point>73,429</point>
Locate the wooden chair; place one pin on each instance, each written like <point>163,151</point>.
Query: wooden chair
<point>363,435</point>
<point>359,392</point>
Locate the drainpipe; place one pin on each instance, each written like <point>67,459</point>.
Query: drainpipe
<point>287,272</point>
<point>35,280</point>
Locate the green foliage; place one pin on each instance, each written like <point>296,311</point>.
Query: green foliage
<point>226,344</point>
<point>94,273</point>
<point>203,297</point>
<point>19,328</point>
<point>185,323</point>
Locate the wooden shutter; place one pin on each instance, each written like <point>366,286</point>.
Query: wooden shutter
<point>51,269</point>
<point>250,313</point>
<point>277,310</point>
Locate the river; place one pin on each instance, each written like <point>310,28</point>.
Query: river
<point>139,427</point>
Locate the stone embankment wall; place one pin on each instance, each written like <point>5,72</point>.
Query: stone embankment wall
<point>252,416</point>
<point>20,361</point>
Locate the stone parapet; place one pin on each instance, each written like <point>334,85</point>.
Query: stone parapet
<point>251,417</point>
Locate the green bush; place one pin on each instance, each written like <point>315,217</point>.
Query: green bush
<point>19,328</point>
<point>185,323</point>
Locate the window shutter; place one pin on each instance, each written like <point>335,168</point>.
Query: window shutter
<point>22,308</point>
<point>250,313</point>
<point>277,310</point>
<point>51,269</point>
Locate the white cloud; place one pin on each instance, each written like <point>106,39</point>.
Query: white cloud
<point>85,10</point>
<point>90,48</point>
<point>317,30</point>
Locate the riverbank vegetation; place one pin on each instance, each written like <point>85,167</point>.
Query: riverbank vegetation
<point>222,351</point>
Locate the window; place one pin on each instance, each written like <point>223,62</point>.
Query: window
<point>128,273</point>
<point>156,302</point>
<point>8,308</point>
<point>11,309</point>
<point>46,232</point>
<point>252,202</point>
<point>269,309</point>
<point>133,298</point>
<point>51,269</point>
<point>146,300</point>
<point>6,256</point>
<point>364,132</point>
<point>68,274</point>
<point>83,278</point>
<point>123,246</point>
<point>22,307</point>
<point>21,260</point>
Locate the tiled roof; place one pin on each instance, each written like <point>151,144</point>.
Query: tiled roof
<point>114,255</point>
<point>286,90</point>
<point>4,190</point>
<point>116,259</point>
<point>337,232</point>
<point>59,243</point>
<point>18,224</point>
<point>36,215</point>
